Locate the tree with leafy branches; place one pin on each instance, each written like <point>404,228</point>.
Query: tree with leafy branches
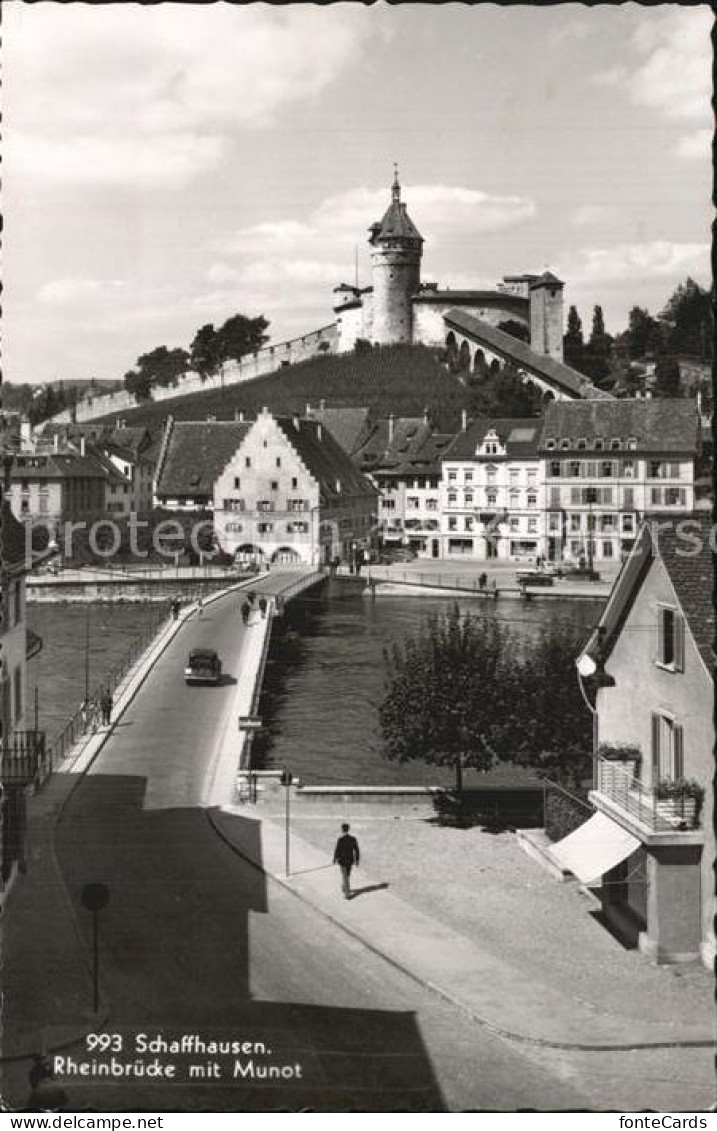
<point>448,695</point>
<point>465,692</point>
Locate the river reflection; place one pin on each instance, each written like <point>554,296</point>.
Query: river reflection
<point>325,678</point>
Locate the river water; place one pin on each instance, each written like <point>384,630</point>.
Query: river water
<point>58,672</point>
<point>324,676</point>
<point>326,671</point>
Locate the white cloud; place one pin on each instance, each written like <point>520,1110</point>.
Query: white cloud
<point>657,259</point>
<point>697,144</point>
<point>71,291</point>
<point>672,74</point>
<point>588,214</point>
<point>164,86</point>
<point>675,77</point>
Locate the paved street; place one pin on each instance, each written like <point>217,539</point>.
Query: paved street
<point>195,940</point>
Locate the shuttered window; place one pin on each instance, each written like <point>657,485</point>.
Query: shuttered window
<point>668,759</point>
<point>670,647</point>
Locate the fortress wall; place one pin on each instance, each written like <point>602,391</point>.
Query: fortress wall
<point>259,364</point>
<point>429,327</point>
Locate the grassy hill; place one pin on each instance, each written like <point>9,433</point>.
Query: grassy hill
<point>403,380</point>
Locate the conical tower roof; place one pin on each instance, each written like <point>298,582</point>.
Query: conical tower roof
<point>396,223</point>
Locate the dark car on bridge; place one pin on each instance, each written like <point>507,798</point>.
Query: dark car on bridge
<point>203,666</point>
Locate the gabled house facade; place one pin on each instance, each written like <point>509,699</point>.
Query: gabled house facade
<point>491,495</point>
<point>605,465</point>
<point>290,494</point>
<point>655,739</point>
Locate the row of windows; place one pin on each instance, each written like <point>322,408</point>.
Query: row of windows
<point>274,483</point>
<point>491,474</point>
<point>591,496</point>
<point>266,506</point>
<point>513,523</point>
<point>491,498</point>
<point>598,443</point>
<point>268,527</point>
<point>591,469</point>
<point>605,523</point>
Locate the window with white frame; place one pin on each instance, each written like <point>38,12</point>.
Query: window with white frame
<point>412,502</point>
<point>452,523</point>
<point>452,498</point>
<point>467,476</point>
<point>628,524</point>
<point>469,498</point>
<point>469,522</point>
<point>670,639</point>
<point>532,526</point>
<point>452,476</point>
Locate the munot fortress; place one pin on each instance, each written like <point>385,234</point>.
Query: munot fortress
<point>399,308</point>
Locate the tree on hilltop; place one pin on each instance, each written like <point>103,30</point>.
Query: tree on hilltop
<point>237,337</point>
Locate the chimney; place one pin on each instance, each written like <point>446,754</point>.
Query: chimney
<point>56,442</point>
<point>464,420</point>
<point>390,428</point>
<point>425,415</point>
<point>322,405</point>
<point>82,445</point>
<point>319,433</point>
<point>296,423</point>
<point>308,409</point>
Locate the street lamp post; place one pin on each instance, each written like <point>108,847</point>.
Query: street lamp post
<point>87,653</point>
<point>591,669</point>
<point>286,780</point>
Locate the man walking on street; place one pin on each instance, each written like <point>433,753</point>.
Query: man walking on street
<point>346,855</point>
<point>106,707</point>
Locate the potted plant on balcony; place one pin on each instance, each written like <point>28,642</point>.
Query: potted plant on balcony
<point>623,755</point>
<point>680,801</point>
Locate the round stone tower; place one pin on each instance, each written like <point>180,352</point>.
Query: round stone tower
<point>396,247</point>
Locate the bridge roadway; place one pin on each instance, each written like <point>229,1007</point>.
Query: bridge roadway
<point>196,940</point>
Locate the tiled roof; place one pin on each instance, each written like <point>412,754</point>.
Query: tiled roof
<point>383,447</point>
<point>560,376</point>
<point>348,426</point>
<point>426,459</point>
<point>692,575</point>
<point>546,279</point>
<point>325,459</point>
<point>656,425</point>
<point>684,548</point>
<point>197,453</point>
<point>520,437</point>
<point>60,465</point>
<point>396,223</point>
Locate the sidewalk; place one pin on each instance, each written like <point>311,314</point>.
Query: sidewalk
<point>518,951</point>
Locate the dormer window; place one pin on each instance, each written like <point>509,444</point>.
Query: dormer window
<point>565,444</point>
<point>582,444</point>
<point>550,444</point>
<point>615,445</point>
<point>632,443</point>
<point>599,443</point>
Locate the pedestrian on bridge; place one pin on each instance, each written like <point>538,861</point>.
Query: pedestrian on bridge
<point>106,705</point>
<point>245,610</point>
<point>263,606</point>
<point>346,855</point>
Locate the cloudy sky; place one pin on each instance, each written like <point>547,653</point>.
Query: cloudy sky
<point>169,166</point>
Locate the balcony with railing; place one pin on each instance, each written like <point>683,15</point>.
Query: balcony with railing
<point>24,759</point>
<point>668,808</point>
